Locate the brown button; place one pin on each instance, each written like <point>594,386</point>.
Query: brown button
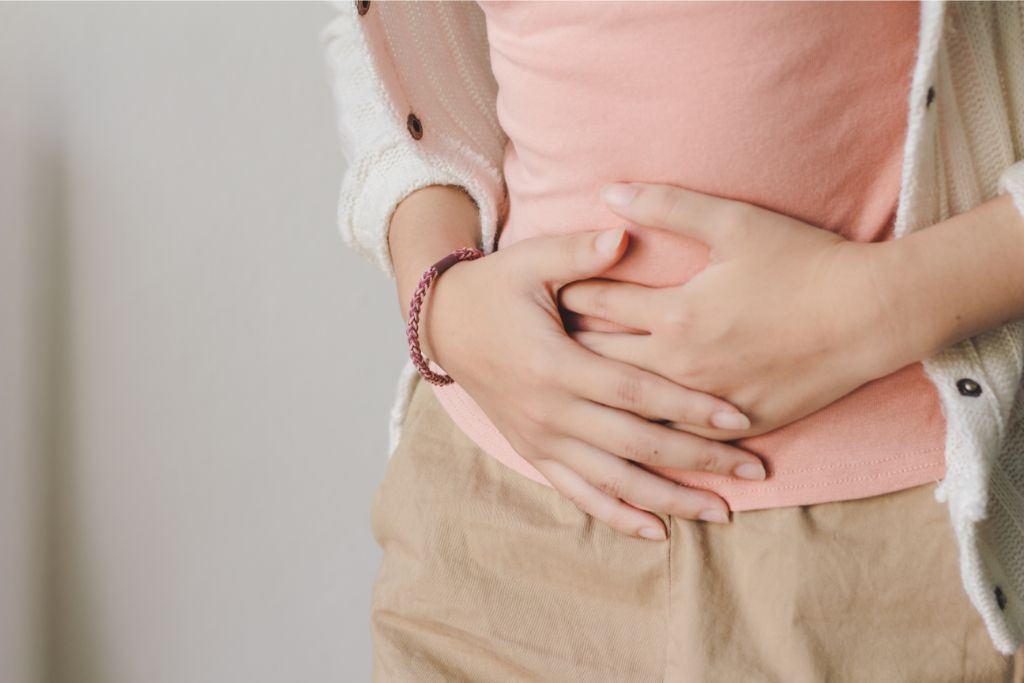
<point>931,96</point>
<point>968,387</point>
<point>414,126</point>
<point>363,6</point>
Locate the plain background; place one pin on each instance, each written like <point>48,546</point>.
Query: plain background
<point>195,371</point>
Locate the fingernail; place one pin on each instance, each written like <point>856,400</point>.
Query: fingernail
<point>652,533</point>
<point>618,194</point>
<point>750,470</point>
<point>714,515</point>
<point>730,419</point>
<point>609,240</point>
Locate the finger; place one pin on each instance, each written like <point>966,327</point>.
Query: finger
<point>634,438</point>
<point>612,511</point>
<point>560,259</point>
<point>625,303</point>
<point>572,322</point>
<point>618,346</point>
<point>709,218</point>
<point>623,479</point>
<point>623,385</point>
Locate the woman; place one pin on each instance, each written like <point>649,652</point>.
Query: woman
<point>777,336</point>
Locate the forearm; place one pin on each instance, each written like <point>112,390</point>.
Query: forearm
<point>427,225</point>
<point>957,278</point>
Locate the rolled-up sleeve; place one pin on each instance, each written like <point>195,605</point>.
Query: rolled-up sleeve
<point>400,132</point>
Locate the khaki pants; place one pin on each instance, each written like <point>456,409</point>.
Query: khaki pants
<point>489,576</point>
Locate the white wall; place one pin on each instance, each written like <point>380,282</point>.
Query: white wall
<point>195,371</point>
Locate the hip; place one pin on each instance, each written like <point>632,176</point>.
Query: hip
<point>488,575</point>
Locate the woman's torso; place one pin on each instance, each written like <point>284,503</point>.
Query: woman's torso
<point>796,107</point>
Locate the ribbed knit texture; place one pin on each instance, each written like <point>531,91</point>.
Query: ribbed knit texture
<point>432,59</point>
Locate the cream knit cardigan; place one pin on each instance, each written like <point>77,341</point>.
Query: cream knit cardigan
<point>965,144</point>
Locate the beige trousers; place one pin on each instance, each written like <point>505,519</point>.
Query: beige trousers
<point>489,576</point>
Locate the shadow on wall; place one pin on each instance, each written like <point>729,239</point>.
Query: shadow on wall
<point>65,598</point>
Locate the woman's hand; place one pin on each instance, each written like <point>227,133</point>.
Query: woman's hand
<point>785,319</point>
<point>585,422</point>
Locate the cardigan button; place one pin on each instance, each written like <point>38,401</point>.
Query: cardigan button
<point>968,387</point>
<point>1000,598</point>
<point>362,6</point>
<point>931,96</point>
<point>414,126</point>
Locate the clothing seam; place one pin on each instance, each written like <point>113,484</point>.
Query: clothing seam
<point>862,463</point>
<point>879,475</point>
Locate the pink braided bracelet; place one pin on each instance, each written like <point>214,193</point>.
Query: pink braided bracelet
<point>412,331</point>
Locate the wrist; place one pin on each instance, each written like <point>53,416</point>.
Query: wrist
<point>891,325</point>
<point>935,287</point>
<point>412,269</point>
<point>425,226</point>
<point>959,277</point>
<point>917,312</point>
<point>424,313</point>
<point>436,315</point>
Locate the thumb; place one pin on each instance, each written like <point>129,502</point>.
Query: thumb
<point>564,258</point>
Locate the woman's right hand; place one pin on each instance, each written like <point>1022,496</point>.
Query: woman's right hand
<point>587,423</point>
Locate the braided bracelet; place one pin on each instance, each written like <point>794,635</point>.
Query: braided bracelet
<point>412,331</point>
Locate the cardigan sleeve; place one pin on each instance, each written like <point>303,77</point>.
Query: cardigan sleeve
<point>415,104</point>
<point>1008,24</point>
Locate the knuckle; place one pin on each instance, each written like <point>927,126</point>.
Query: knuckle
<point>639,449</point>
<point>676,317</point>
<point>536,414</point>
<point>581,501</point>
<point>683,504</point>
<point>619,520</point>
<point>540,417</point>
<point>547,414</point>
<point>662,196</point>
<point>683,368</point>
<point>691,502</point>
<point>629,390</point>
<point>599,301</point>
<point>738,216</point>
<point>611,484</point>
<point>675,205</point>
<point>708,461</point>
<point>655,455</point>
<point>533,416</point>
<point>530,448</point>
<point>569,251</point>
<point>664,501</point>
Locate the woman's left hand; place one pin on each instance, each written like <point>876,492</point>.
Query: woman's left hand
<point>785,319</point>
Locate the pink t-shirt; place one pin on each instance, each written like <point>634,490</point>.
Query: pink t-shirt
<point>797,107</point>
